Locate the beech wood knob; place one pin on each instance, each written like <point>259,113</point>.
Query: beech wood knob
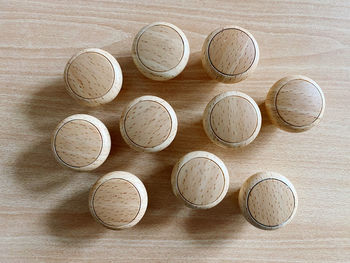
<point>268,200</point>
<point>81,142</point>
<point>93,77</point>
<point>118,200</point>
<point>232,119</point>
<point>230,54</point>
<point>295,103</point>
<point>200,179</point>
<point>148,124</point>
<point>160,51</point>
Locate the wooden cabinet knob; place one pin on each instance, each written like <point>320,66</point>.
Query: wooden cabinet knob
<point>93,77</point>
<point>230,54</point>
<point>295,103</point>
<point>81,142</point>
<point>148,124</point>
<point>232,119</point>
<point>118,200</point>
<point>160,51</point>
<point>200,179</point>
<point>268,200</point>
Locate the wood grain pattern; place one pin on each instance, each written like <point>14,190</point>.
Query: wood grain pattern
<point>200,179</point>
<point>93,77</point>
<point>295,103</point>
<point>268,200</point>
<point>81,142</point>
<point>160,51</point>
<point>118,200</point>
<point>232,119</point>
<point>148,124</point>
<point>44,214</point>
<point>230,54</point>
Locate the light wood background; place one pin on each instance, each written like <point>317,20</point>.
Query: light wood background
<point>44,213</point>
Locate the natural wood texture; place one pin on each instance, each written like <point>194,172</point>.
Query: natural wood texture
<point>93,77</point>
<point>160,51</point>
<point>232,119</point>
<point>148,124</point>
<point>230,54</point>
<point>268,200</point>
<point>118,200</point>
<point>295,103</point>
<point>200,179</point>
<point>44,207</point>
<point>81,142</point>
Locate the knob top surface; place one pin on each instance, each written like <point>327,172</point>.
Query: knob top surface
<point>232,119</point>
<point>268,200</point>
<point>200,179</point>
<point>90,75</point>
<point>118,200</point>
<point>148,123</point>
<point>78,143</point>
<point>81,142</point>
<point>295,103</point>
<point>160,48</point>
<point>231,51</point>
<point>160,51</point>
<point>93,77</point>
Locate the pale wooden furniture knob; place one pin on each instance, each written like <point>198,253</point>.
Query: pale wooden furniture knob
<point>268,200</point>
<point>230,54</point>
<point>295,103</point>
<point>160,51</point>
<point>93,77</point>
<point>232,119</point>
<point>81,142</point>
<point>148,124</point>
<point>118,200</point>
<point>200,179</point>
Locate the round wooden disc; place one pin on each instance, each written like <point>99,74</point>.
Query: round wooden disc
<point>200,179</point>
<point>295,103</point>
<point>160,48</point>
<point>90,75</point>
<point>232,119</point>
<point>160,51</point>
<point>148,124</point>
<point>232,51</point>
<point>116,202</point>
<point>271,202</point>
<point>78,143</point>
<point>230,54</point>
<point>268,200</point>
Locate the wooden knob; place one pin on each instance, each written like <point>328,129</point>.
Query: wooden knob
<point>93,77</point>
<point>295,103</point>
<point>200,179</point>
<point>148,124</point>
<point>81,142</point>
<point>160,51</point>
<point>118,200</point>
<point>232,119</point>
<point>268,200</point>
<point>230,54</point>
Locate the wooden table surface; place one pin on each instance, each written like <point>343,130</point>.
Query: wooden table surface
<point>44,213</point>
